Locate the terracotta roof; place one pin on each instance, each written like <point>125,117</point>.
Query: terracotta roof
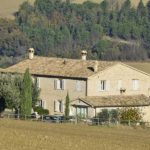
<point>117,101</point>
<point>49,66</point>
<point>143,66</point>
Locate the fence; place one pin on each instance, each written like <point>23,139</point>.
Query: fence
<point>76,120</point>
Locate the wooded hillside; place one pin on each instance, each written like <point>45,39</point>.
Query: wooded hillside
<point>63,29</point>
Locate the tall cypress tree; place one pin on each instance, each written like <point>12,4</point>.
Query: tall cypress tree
<point>67,106</point>
<point>26,94</point>
<point>141,10</point>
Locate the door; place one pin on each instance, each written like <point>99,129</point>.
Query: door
<point>81,112</point>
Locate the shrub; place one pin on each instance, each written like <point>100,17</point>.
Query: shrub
<point>132,114</point>
<point>108,115</point>
<point>41,111</point>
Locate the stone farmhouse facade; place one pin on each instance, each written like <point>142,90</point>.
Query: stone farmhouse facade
<point>92,85</point>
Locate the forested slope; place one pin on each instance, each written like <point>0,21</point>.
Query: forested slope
<point>56,28</point>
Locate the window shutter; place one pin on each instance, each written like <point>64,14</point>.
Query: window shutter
<point>62,106</point>
<point>44,104</point>
<point>63,84</point>
<point>38,82</point>
<point>54,105</point>
<point>99,85</point>
<point>119,84</point>
<point>57,105</point>
<point>78,85</point>
<point>55,84</point>
<point>107,85</point>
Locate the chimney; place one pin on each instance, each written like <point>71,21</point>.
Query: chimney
<point>96,66</point>
<point>84,54</point>
<point>31,53</point>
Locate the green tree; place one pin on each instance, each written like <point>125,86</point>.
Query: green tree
<point>35,93</point>
<point>67,104</point>
<point>26,94</point>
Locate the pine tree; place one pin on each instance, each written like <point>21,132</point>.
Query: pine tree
<point>67,106</point>
<point>26,94</point>
<point>141,11</point>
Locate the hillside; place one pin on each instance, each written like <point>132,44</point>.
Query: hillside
<point>134,2</point>
<point>7,9</point>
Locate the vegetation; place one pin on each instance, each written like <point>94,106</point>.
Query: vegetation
<point>41,111</point>
<point>26,95</point>
<point>132,114</point>
<point>60,28</point>
<point>14,95</point>
<point>36,136</point>
<point>10,92</point>
<point>108,115</point>
<point>67,108</point>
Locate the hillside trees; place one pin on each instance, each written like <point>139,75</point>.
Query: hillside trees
<point>61,28</point>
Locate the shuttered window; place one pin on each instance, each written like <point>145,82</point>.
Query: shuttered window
<point>58,106</point>
<point>59,84</point>
<point>78,86</point>
<point>104,85</point>
<point>135,84</point>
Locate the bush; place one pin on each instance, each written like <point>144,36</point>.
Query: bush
<point>132,114</point>
<point>108,115</point>
<point>41,111</point>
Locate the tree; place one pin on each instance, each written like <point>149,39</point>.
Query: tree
<point>9,92</point>
<point>132,114</point>
<point>141,11</point>
<point>35,93</point>
<point>26,94</point>
<point>67,106</point>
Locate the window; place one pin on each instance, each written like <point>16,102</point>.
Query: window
<point>58,106</point>
<point>119,84</point>
<point>59,84</point>
<point>41,103</point>
<point>135,84</point>
<point>103,85</point>
<point>78,86</point>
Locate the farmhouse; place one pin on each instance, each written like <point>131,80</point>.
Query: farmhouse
<point>92,85</point>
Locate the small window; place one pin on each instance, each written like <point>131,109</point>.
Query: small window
<point>78,86</point>
<point>103,85</point>
<point>135,84</point>
<point>41,103</point>
<point>59,84</point>
<point>58,106</point>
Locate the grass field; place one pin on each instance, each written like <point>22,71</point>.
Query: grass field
<point>21,135</point>
<point>8,7</point>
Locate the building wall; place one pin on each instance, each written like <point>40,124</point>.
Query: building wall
<point>115,73</point>
<point>49,94</point>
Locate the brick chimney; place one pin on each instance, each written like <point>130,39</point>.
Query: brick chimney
<point>83,54</point>
<point>31,53</point>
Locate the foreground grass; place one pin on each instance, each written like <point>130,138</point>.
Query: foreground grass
<point>21,135</point>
